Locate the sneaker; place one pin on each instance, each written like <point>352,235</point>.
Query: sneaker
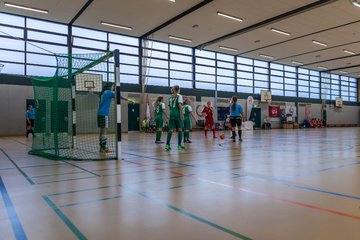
<point>240,139</point>
<point>159,142</point>
<point>180,147</point>
<point>167,147</point>
<point>105,150</point>
<point>188,141</point>
<point>232,137</point>
<point>234,140</point>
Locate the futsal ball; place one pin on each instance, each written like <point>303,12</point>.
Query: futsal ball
<point>222,136</point>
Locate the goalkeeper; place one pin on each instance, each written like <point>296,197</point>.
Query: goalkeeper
<point>106,97</point>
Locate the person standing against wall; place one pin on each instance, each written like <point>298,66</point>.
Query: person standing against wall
<point>30,120</point>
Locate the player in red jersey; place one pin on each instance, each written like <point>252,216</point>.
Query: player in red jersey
<point>209,120</point>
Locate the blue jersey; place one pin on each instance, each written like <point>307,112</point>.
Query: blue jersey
<point>105,103</point>
<point>237,112</point>
<point>30,114</point>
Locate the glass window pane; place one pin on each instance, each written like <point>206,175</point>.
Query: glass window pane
<point>90,43</point>
<point>47,37</point>
<point>209,86</point>
<point>227,80</point>
<point>129,69</point>
<point>246,61</point>
<point>225,72</point>
<point>225,57</point>
<point>157,81</point>
<point>260,63</point>
<point>181,58</point>
<point>13,32</point>
<point>204,61</point>
<point>181,83</point>
<point>261,77</point>
<point>277,86</point>
<point>261,70</point>
<point>245,75</point>
<point>45,48</point>
<point>41,59</point>
<point>290,94</point>
<point>47,26</point>
<point>123,39</point>
<point>13,68</point>
<point>204,53</point>
<point>263,85</point>
<point>156,63</point>
<point>129,59</point>
<point>156,45</point>
<point>276,66</point>
<point>12,56</point>
<point>225,88</point>
<point>225,65</point>
<point>245,82</point>
<point>243,89</point>
<point>155,72</point>
<point>180,49</point>
<point>205,78</point>
<point>277,92</point>
<point>245,68</point>
<point>82,32</point>
<point>181,66</point>
<point>124,49</point>
<point>181,75</point>
<point>40,71</point>
<point>290,69</point>
<point>124,78</point>
<point>13,20</point>
<point>202,69</point>
<point>8,43</point>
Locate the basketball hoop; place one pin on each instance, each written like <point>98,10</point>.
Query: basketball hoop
<point>90,86</point>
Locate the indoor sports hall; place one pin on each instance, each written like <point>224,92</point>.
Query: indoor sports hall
<point>179,119</point>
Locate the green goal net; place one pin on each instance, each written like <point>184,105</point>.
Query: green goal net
<point>66,107</point>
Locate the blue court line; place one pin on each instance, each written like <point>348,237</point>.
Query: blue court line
<point>10,168</point>
<point>17,167</point>
<point>119,196</point>
<point>45,165</point>
<point>13,217</point>
<point>65,180</point>
<point>188,214</point>
<point>74,165</point>
<point>53,175</point>
<point>65,219</point>
<point>111,186</point>
<point>317,171</point>
<point>304,174</point>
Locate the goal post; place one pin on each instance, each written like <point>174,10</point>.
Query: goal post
<point>67,125</point>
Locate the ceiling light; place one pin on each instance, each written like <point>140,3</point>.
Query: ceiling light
<point>281,32</point>
<point>356,3</point>
<point>349,52</point>
<point>180,39</point>
<point>116,26</point>
<point>229,49</point>
<point>319,43</point>
<point>266,56</point>
<point>321,67</point>
<point>229,16</point>
<point>26,8</point>
<point>343,72</point>
<point>298,63</point>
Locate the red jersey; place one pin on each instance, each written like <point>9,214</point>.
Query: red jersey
<point>209,113</point>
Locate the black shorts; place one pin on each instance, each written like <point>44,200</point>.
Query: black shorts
<point>235,121</point>
<point>31,124</point>
<point>103,121</point>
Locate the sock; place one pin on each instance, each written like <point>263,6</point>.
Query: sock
<point>158,135</point>
<point>180,135</point>
<point>102,141</point>
<point>239,132</point>
<point>186,136</point>
<point>214,133</point>
<point>168,138</point>
<point>206,133</point>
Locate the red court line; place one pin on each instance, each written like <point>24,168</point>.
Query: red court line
<point>273,197</point>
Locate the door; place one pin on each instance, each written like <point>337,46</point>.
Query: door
<point>133,117</point>
<point>256,117</point>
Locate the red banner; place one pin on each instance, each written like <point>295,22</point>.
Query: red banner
<point>274,111</point>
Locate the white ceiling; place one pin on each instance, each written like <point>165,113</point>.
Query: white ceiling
<point>320,24</point>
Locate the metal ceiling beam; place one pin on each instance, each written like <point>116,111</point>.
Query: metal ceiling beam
<point>87,4</point>
<point>332,59</point>
<point>320,50</point>
<point>341,68</point>
<point>269,21</point>
<point>174,19</point>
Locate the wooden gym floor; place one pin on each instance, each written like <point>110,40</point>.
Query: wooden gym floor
<point>277,184</point>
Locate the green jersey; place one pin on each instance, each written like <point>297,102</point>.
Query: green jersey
<point>174,106</point>
<point>159,110</point>
<point>187,112</point>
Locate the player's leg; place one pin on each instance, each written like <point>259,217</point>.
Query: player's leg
<point>233,128</point>
<point>213,129</point>
<point>102,137</point>
<point>180,127</point>
<point>27,128</point>
<point>238,123</point>
<point>206,127</point>
<point>159,128</point>
<point>172,126</point>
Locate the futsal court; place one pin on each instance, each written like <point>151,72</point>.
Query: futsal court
<point>206,191</point>
<point>179,120</point>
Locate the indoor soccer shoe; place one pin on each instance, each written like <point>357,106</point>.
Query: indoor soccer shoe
<point>180,147</point>
<point>187,141</point>
<point>167,147</point>
<point>105,150</point>
<point>158,142</point>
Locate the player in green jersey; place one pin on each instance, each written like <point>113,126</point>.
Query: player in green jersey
<point>176,116</point>
<point>188,113</point>
<point>160,113</point>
